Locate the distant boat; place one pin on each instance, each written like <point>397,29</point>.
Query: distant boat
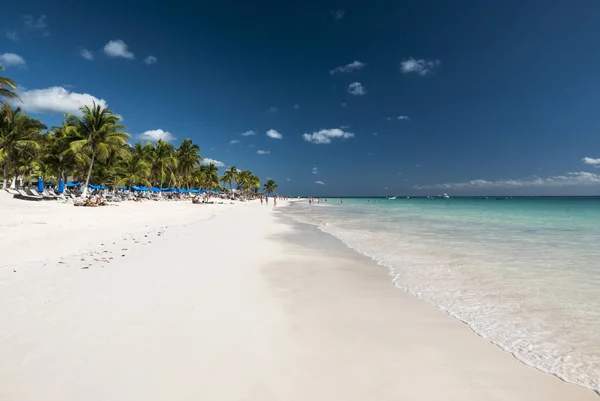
<point>391,197</point>
<point>445,196</point>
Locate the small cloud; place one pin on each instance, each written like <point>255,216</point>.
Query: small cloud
<point>403,118</point>
<point>12,35</point>
<point>315,170</point>
<point>207,160</point>
<point>325,136</point>
<point>11,60</point>
<point>385,187</point>
<point>353,66</point>
<point>389,118</point>
<point>234,141</point>
<point>248,133</point>
<point>591,161</point>
<point>86,54</point>
<point>356,89</point>
<point>118,48</point>
<point>296,107</point>
<point>344,126</point>
<point>274,134</point>
<point>319,183</point>
<point>344,104</point>
<point>338,15</point>
<point>263,152</point>
<point>369,154</point>
<point>375,134</point>
<point>156,134</point>
<point>399,173</point>
<point>150,60</point>
<point>418,165</point>
<point>40,24</point>
<point>56,100</point>
<point>287,179</point>
<point>272,109</point>
<point>581,178</point>
<point>420,67</point>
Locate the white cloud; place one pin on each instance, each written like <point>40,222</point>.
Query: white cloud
<point>12,35</point>
<point>399,173</point>
<point>272,109</point>
<point>156,134</point>
<point>56,100</point>
<point>118,48</point>
<point>421,67</point>
<point>274,134</point>
<point>344,104</point>
<point>353,66</point>
<point>40,24</point>
<point>315,170</point>
<point>248,133</point>
<point>403,118</point>
<point>338,14</point>
<point>356,89</point>
<point>581,178</point>
<point>326,135</point>
<point>288,179</point>
<point>375,134</point>
<point>86,54</point>
<point>11,60</point>
<point>319,182</point>
<point>234,141</point>
<point>150,60</point>
<point>591,161</point>
<point>207,160</point>
<point>296,107</point>
<point>263,152</point>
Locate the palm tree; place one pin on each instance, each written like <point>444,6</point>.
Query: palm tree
<point>17,134</point>
<point>270,186</point>
<point>209,176</point>
<point>230,175</point>
<point>243,180</point>
<point>7,88</point>
<point>99,132</point>
<point>254,183</point>
<point>134,171</point>
<point>188,158</point>
<point>163,163</point>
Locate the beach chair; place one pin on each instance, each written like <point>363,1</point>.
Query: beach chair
<point>25,196</point>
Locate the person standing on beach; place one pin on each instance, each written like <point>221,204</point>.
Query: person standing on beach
<point>261,200</point>
<point>267,200</point>
<point>275,201</point>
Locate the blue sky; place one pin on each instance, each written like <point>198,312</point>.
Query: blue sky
<point>384,97</point>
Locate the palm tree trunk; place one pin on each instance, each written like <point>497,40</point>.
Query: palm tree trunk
<point>89,174</point>
<point>6,169</point>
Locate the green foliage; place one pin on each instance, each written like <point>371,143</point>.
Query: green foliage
<point>93,148</point>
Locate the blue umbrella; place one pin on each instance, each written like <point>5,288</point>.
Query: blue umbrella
<point>61,186</point>
<point>40,185</point>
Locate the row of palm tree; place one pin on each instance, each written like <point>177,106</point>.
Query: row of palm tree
<point>93,147</point>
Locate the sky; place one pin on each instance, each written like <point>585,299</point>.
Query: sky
<point>333,97</point>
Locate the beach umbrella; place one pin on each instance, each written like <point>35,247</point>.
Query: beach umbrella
<point>40,187</point>
<point>61,186</point>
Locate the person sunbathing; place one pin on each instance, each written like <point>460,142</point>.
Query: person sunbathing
<point>91,203</point>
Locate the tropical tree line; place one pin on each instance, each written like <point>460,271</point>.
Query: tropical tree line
<point>93,147</point>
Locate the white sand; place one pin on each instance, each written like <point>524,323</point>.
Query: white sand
<point>233,305</point>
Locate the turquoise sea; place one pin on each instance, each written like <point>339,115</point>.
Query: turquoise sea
<point>521,272</point>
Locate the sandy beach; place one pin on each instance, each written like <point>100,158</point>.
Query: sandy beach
<point>175,301</point>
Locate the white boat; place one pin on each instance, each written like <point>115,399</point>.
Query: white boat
<point>391,197</point>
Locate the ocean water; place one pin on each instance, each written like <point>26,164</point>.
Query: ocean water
<point>522,272</point>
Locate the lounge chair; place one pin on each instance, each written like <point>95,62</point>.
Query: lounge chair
<point>25,196</point>
<point>45,195</point>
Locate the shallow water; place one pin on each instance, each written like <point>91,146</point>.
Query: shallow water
<point>522,272</point>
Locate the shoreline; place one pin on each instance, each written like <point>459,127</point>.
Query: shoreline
<point>392,274</point>
<point>234,294</point>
